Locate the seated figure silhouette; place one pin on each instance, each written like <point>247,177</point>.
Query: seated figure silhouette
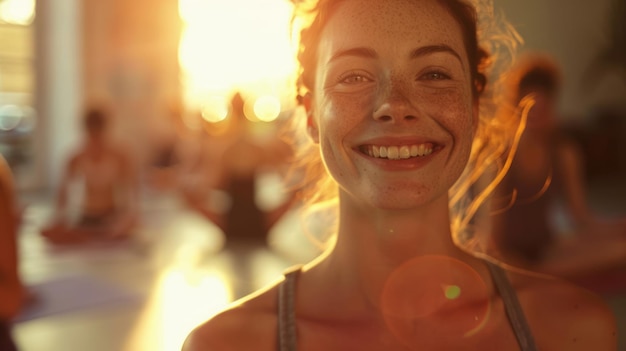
<point>108,183</point>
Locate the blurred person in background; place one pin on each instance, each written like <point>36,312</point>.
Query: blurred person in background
<point>231,163</point>
<point>104,178</point>
<point>547,175</point>
<point>13,295</point>
<point>174,147</point>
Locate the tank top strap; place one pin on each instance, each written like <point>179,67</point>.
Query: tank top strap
<point>514,311</point>
<point>286,310</point>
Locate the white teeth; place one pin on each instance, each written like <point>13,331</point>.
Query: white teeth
<point>375,151</point>
<point>400,152</point>
<point>383,152</point>
<point>405,152</point>
<point>393,153</point>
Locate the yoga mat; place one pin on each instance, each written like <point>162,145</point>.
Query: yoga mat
<point>74,293</point>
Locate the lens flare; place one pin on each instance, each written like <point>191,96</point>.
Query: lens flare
<point>452,292</point>
<point>435,298</point>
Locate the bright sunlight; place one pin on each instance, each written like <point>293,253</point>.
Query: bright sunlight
<point>19,12</point>
<point>230,45</point>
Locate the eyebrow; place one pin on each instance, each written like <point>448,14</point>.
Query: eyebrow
<point>431,49</point>
<point>366,52</point>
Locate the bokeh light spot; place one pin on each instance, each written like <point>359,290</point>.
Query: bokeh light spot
<point>215,109</point>
<point>267,108</point>
<point>10,117</point>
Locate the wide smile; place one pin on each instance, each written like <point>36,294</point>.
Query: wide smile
<point>398,152</point>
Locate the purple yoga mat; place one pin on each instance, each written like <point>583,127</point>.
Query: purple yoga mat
<point>74,293</point>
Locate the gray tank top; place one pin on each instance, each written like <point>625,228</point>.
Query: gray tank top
<point>287,340</point>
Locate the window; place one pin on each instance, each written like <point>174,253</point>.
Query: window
<point>17,85</point>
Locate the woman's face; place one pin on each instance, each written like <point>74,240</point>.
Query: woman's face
<point>392,108</point>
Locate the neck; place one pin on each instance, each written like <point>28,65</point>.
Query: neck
<point>373,246</point>
<point>393,236</point>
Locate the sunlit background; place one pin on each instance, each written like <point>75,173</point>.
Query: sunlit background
<point>234,45</point>
<point>224,46</point>
<point>19,12</point>
<point>18,115</point>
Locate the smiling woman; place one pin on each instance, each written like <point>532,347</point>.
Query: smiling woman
<point>230,45</point>
<point>407,78</point>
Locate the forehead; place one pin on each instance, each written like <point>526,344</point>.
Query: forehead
<point>395,23</point>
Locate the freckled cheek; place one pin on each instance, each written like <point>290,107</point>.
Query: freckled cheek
<point>455,111</point>
<point>332,135</point>
<point>342,113</point>
<point>333,154</point>
<point>338,117</point>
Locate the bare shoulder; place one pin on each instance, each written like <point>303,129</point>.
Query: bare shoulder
<point>564,316</point>
<point>248,324</point>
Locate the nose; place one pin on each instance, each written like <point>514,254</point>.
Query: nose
<point>394,105</point>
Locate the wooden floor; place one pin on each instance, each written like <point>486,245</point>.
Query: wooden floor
<point>148,293</point>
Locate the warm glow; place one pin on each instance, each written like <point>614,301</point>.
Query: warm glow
<point>20,12</point>
<point>215,109</point>
<point>186,305</point>
<point>180,302</point>
<point>195,289</point>
<point>267,108</point>
<point>230,45</point>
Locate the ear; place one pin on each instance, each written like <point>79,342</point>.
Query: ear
<point>311,123</point>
